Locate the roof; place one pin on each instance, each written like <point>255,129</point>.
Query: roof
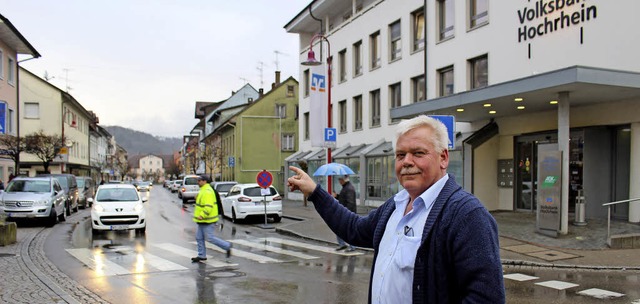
<point>12,37</point>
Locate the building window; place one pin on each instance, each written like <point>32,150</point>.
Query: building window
<point>395,98</point>
<point>374,46</point>
<point>31,110</point>
<point>395,48</point>
<point>342,62</point>
<point>445,19</point>
<point>357,112</point>
<point>478,13</point>
<point>11,71</point>
<point>417,89</point>
<point>417,18</point>
<point>306,126</point>
<point>342,107</point>
<point>9,124</point>
<point>330,67</point>
<point>288,142</point>
<point>281,110</point>
<point>445,81</point>
<point>381,180</point>
<point>357,58</point>
<point>291,91</point>
<point>479,71</point>
<point>307,83</point>
<point>374,97</point>
<point>1,64</point>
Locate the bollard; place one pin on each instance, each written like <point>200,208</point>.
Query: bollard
<point>580,210</point>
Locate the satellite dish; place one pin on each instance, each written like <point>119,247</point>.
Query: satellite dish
<point>68,143</point>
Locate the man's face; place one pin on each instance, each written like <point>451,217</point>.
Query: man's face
<point>201,182</point>
<point>418,165</point>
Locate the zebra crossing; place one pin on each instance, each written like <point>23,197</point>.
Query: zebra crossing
<point>125,260</point>
<point>562,285</point>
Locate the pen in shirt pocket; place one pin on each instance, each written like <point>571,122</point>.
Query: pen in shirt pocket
<point>408,231</point>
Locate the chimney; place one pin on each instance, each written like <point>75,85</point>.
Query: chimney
<point>261,92</point>
<point>277,77</point>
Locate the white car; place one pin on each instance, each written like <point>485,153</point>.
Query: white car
<point>118,207</point>
<point>245,200</point>
<point>189,188</point>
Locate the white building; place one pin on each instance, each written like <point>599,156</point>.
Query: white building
<point>520,77</point>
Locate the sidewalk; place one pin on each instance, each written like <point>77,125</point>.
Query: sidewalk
<point>583,247</point>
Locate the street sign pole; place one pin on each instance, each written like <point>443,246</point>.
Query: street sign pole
<point>264,180</point>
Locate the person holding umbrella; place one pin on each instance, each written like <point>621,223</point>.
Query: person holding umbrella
<point>347,198</point>
<point>433,242</point>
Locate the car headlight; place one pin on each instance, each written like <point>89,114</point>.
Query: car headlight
<point>98,208</point>
<point>138,207</point>
<point>41,203</point>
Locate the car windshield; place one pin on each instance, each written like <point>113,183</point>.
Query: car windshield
<point>29,186</point>
<point>255,191</point>
<point>117,195</point>
<point>224,187</point>
<point>63,181</point>
<point>144,184</point>
<point>80,182</point>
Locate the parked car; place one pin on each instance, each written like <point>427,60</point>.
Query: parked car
<point>189,188</point>
<point>223,187</point>
<point>245,200</point>
<point>118,207</point>
<point>70,186</point>
<point>86,189</point>
<point>167,183</point>
<point>144,186</point>
<point>34,198</point>
<point>176,185</point>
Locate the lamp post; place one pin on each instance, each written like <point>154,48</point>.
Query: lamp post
<point>311,61</point>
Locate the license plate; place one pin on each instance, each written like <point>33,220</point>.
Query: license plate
<point>120,227</point>
<point>17,215</point>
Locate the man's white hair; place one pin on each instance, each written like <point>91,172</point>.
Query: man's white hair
<point>440,137</point>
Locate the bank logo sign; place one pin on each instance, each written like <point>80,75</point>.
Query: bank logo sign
<point>318,82</point>
<point>543,17</point>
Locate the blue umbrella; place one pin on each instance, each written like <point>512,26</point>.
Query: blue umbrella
<point>333,169</point>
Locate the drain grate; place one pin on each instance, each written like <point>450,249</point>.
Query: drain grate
<point>5,255</point>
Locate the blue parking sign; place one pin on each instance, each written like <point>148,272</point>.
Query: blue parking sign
<point>449,122</point>
<point>3,115</point>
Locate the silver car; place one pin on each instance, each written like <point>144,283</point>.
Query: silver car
<point>189,188</point>
<point>34,198</point>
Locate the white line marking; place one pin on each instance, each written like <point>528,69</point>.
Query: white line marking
<point>273,249</point>
<point>245,254</point>
<point>191,253</point>
<point>559,285</point>
<point>600,293</point>
<point>96,260</point>
<point>519,277</point>
<point>311,246</point>
<point>160,263</point>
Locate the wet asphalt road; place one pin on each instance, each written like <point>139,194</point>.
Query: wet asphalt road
<point>124,267</point>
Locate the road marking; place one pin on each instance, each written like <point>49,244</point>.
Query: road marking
<point>273,249</point>
<point>245,254</point>
<point>519,277</point>
<point>97,261</point>
<point>600,293</point>
<point>559,285</point>
<point>161,263</point>
<point>191,253</point>
<point>311,246</point>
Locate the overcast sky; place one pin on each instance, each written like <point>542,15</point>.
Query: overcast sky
<point>142,64</point>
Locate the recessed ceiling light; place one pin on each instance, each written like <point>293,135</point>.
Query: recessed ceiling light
<point>486,105</point>
<point>553,102</point>
<point>519,99</point>
<point>492,112</point>
<point>520,107</point>
<point>460,110</point>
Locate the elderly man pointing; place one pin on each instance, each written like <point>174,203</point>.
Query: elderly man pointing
<point>433,242</point>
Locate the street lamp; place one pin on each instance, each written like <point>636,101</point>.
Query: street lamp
<point>311,61</point>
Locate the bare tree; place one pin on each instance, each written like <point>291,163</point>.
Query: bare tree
<point>10,147</point>
<point>45,147</point>
<point>210,156</point>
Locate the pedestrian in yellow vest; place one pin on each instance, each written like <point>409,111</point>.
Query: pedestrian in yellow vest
<point>205,215</point>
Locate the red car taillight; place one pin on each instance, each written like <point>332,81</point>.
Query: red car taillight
<point>183,189</point>
<point>277,198</point>
<point>244,199</point>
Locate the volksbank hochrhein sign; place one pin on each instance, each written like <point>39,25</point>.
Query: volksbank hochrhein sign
<point>543,17</point>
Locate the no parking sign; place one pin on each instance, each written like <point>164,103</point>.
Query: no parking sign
<point>264,180</point>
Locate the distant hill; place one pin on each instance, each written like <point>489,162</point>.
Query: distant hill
<point>136,142</point>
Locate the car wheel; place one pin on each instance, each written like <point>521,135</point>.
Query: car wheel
<point>52,219</point>
<point>63,216</point>
<point>142,230</point>
<point>185,200</point>
<point>233,215</point>
<point>94,231</point>
<point>277,219</point>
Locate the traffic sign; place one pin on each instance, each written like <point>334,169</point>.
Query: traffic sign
<point>264,179</point>
<point>330,134</point>
<point>449,122</point>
